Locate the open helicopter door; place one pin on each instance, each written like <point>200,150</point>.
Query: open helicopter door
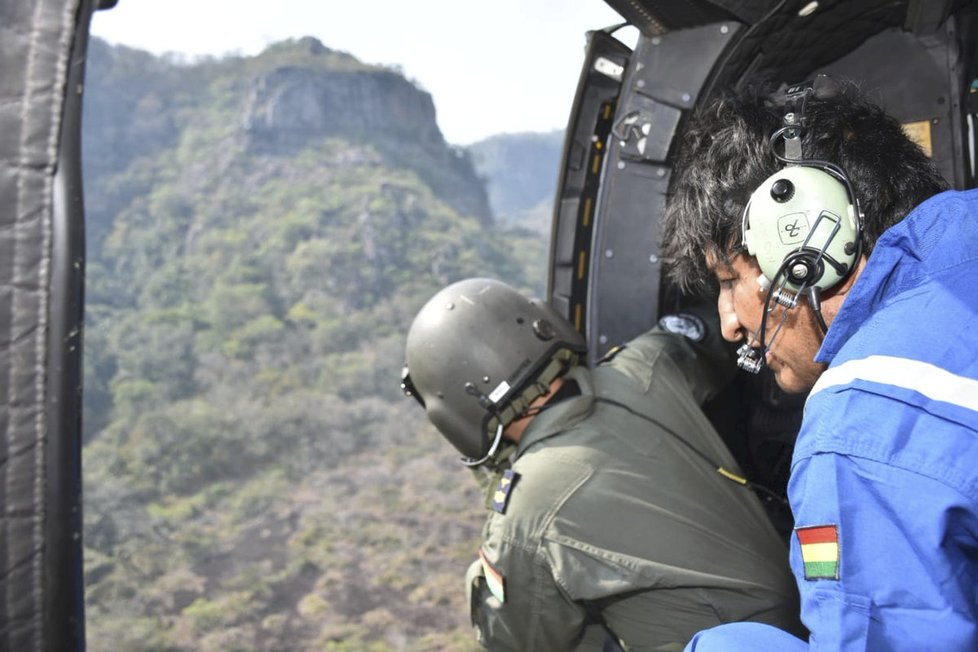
<point>42,253</point>
<point>605,271</point>
<point>916,58</point>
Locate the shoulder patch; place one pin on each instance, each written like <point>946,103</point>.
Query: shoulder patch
<point>494,579</point>
<point>819,545</point>
<point>684,324</point>
<point>501,497</point>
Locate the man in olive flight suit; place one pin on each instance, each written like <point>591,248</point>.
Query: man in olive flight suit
<point>613,501</point>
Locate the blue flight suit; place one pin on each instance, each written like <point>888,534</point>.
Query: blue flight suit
<point>885,470</point>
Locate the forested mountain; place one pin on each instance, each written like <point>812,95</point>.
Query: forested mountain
<point>261,231</point>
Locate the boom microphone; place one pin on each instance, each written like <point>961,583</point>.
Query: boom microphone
<point>825,87</point>
<point>750,359</point>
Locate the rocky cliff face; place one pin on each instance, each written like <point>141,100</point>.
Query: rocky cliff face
<point>294,104</point>
<point>297,101</point>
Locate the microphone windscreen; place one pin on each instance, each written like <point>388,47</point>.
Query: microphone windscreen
<point>825,88</point>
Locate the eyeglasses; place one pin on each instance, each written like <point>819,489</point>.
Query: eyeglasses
<point>407,386</point>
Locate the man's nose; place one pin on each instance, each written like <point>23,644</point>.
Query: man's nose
<point>730,327</point>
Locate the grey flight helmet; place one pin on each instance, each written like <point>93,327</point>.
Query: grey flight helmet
<point>477,354</point>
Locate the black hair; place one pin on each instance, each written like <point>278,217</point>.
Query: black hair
<point>725,155</point>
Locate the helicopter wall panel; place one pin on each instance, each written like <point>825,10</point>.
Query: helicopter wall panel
<point>585,149</point>
<point>664,78</point>
<point>626,268</point>
<point>916,80</point>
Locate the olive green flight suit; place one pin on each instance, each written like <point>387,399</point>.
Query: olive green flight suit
<point>615,517</point>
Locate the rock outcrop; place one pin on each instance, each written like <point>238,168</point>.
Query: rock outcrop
<point>311,98</point>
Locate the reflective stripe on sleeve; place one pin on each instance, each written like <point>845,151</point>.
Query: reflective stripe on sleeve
<point>929,380</point>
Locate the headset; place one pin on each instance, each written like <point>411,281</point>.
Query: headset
<point>802,224</point>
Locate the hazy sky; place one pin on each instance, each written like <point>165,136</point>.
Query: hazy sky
<point>492,66</point>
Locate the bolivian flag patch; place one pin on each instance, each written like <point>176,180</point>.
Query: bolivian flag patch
<point>495,580</point>
<point>819,551</point>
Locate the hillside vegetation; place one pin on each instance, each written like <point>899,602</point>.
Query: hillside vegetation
<point>261,232</point>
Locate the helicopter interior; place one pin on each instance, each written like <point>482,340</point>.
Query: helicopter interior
<point>605,273</point>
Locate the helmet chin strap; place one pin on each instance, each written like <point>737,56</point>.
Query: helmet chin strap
<point>540,389</point>
<point>520,405</point>
<point>471,461</point>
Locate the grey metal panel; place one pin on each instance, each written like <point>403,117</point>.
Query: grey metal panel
<point>653,17</point>
<point>924,87</point>
<point>625,269</point>
<point>665,76</point>
<point>673,67</point>
<point>564,235</point>
<point>584,150</point>
<point>646,129</point>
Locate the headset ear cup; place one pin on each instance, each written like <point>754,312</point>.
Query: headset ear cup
<point>804,267</point>
<point>812,227</point>
<point>745,231</point>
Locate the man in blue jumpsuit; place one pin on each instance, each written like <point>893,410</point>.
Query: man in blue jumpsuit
<point>884,477</point>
